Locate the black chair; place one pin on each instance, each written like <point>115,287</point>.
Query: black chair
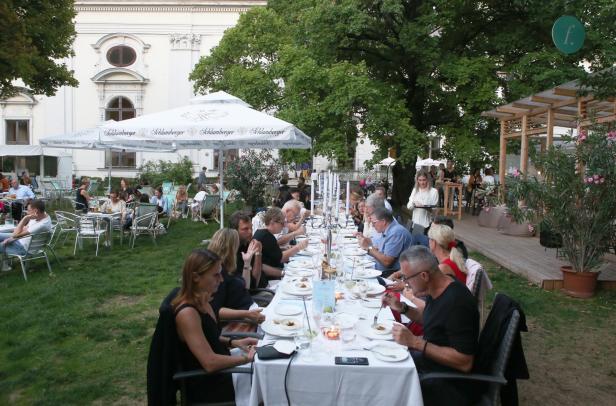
<point>165,375</point>
<point>493,355</point>
<point>262,296</point>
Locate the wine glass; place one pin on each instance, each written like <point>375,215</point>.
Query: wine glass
<point>362,289</point>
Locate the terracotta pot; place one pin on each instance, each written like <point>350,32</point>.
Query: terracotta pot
<point>579,284</point>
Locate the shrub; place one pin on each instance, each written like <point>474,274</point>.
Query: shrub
<point>156,172</point>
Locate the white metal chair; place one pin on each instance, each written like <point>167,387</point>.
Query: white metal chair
<point>142,225</point>
<point>36,250</point>
<point>66,224</point>
<point>87,228</point>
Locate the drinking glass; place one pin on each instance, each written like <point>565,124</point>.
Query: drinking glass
<point>362,288</point>
<point>303,343</point>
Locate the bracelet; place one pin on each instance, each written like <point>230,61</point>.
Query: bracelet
<point>257,254</point>
<point>405,308</point>
<point>424,348</point>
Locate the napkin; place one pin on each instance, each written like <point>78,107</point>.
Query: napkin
<point>284,346</point>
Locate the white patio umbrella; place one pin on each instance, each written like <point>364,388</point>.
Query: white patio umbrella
<point>428,162</point>
<point>214,121</point>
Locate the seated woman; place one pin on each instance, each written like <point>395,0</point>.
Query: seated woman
<point>115,205</point>
<point>443,245</point>
<point>232,300</point>
<point>201,345</point>
<point>127,191</point>
<point>159,200</point>
<point>273,256</point>
<point>181,201</point>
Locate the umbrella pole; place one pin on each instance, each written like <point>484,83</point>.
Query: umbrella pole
<point>109,173</point>
<point>221,190</point>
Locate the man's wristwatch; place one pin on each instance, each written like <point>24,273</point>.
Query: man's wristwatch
<point>369,248</point>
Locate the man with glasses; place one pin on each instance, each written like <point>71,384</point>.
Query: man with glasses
<point>450,321</point>
<point>387,248</point>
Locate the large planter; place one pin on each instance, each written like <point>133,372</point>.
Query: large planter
<point>490,216</point>
<point>510,227</point>
<point>579,284</point>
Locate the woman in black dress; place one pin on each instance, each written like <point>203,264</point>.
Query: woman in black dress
<point>82,199</point>
<point>201,345</point>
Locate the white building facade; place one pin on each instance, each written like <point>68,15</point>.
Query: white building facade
<point>130,58</point>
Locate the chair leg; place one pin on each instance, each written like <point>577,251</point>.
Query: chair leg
<point>23,269</point>
<point>48,264</point>
<point>96,255</point>
<point>75,249</point>
<point>53,252</point>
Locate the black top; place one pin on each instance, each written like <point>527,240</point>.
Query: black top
<point>83,202</point>
<point>231,293</point>
<point>452,320</point>
<point>271,252</point>
<point>451,175</point>
<point>213,388</point>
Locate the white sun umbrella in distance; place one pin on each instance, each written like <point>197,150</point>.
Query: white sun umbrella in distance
<point>214,121</point>
<point>95,138</point>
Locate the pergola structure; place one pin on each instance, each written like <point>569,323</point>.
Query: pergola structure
<point>538,114</point>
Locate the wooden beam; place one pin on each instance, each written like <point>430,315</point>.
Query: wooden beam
<point>524,149</point>
<point>502,158</point>
<point>510,109</point>
<point>544,100</point>
<point>525,106</point>
<point>550,125</point>
<point>563,91</point>
<point>600,120</point>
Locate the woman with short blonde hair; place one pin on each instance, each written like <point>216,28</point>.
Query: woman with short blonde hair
<point>442,242</point>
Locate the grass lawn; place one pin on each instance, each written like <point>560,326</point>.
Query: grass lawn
<point>82,336</point>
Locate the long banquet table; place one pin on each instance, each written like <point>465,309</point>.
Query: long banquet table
<point>317,380</point>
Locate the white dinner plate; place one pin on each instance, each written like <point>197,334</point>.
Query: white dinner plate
<point>300,273</point>
<point>389,352</point>
<point>375,289</point>
<point>288,310</point>
<point>270,328</point>
<point>292,289</point>
<point>359,262</point>
<point>354,252</point>
<point>346,320</point>
<point>381,328</point>
<point>367,273</point>
<point>288,323</point>
<point>364,328</point>
<point>300,264</point>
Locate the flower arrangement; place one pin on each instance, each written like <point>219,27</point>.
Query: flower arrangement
<point>576,198</point>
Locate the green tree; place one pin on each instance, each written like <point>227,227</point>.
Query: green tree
<point>400,70</point>
<point>34,35</point>
<point>155,173</point>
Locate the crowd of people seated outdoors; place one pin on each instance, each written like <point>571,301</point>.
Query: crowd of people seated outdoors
<point>429,272</point>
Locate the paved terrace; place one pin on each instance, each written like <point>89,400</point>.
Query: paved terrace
<point>523,255</point>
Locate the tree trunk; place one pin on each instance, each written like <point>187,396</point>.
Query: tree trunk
<point>404,181</point>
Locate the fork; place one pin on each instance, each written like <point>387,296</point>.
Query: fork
<point>376,316</point>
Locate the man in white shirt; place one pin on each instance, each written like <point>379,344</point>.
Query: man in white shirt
<point>36,221</point>
<point>380,192</point>
<point>22,195</point>
<point>196,204</point>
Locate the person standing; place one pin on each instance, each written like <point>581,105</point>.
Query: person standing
<point>423,198</point>
<point>201,181</point>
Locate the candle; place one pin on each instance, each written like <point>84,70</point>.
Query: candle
<point>348,198</point>
<point>312,196</point>
<point>332,333</point>
<point>337,197</point>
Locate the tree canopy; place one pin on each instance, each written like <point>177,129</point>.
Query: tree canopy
<point>34,35</point>
<point>399,71</point>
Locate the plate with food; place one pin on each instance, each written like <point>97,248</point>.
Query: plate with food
<point>298,288</point>
<point>301,273</point>
<point>288,323</point>
<point>381,331</point>
<point>375,289</point>
<point>354,252</point>
<point>275,329</point>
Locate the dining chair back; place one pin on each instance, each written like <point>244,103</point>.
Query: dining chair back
<point>36,250</point>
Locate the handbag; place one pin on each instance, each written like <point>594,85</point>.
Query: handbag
<point>269,352</point>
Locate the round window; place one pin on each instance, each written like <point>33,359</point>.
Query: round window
<point>121,55</point>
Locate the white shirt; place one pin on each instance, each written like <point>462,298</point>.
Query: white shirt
<point>423,197</point>
<point>22,192</point>
<point>488,180</point>
<point>34,227</point>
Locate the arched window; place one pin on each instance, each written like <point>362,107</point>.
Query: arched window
<point>120,109</point>
<point>121,55</point>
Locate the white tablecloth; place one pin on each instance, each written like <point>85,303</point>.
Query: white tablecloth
<point>321,382</point>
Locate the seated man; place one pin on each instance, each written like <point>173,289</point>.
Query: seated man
<point>36,221</point>
<point>248,256</point>
<point>22,194</point>
<point>197,200</point>
<point>451,325</point>
<point>386,249</point>
<point>380,192</point>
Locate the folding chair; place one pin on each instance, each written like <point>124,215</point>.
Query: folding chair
<point>66,223</point>
<point>87,228</point>
<point>143,225</point>
<point>36,250</point>
<point>209,208</point>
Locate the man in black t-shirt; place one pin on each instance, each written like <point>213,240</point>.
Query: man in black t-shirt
<point>451,325</point>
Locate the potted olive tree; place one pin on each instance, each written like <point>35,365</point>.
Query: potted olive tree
<point>576,199</point>
<point>251,174</point>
